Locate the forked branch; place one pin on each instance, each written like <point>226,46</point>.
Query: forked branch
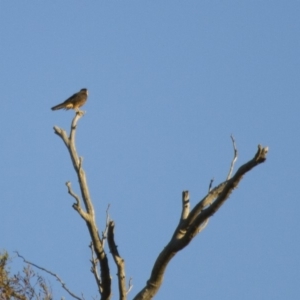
<point>191,223</point>
<point>104,283</point>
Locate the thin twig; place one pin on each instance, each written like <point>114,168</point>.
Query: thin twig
<point>130,286</point>
<point>210,184</point>
<point>104,233</point>
<point>235,156</point>
<point>94,268</point>
<point>51,273</point>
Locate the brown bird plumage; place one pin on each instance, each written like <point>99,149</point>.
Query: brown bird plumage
<point>74,102</point>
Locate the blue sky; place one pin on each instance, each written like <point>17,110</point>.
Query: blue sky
<point>169,82</point>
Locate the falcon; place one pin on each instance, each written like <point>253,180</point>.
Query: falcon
<point>74,102</point>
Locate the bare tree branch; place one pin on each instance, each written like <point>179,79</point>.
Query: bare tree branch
<point>52,274</point>
<point>118,260</point>
<point>194,223</point>
<point>89,214</point>
<point>190,224</point>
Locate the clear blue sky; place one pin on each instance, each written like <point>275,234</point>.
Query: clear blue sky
<point>169,82</point>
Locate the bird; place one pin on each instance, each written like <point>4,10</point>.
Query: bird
<point>74,102</point>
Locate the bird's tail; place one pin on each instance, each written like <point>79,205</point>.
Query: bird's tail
<point>59,106</point>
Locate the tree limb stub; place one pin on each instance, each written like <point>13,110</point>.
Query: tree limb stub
<point>119,261</point>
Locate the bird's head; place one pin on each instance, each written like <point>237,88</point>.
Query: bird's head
<point>85,91</point>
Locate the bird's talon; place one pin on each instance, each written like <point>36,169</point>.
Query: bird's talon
<point>80,113</point>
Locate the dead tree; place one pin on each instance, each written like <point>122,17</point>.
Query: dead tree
<point>190,224</point>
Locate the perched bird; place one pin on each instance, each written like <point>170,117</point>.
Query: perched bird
<point>74,102</point>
